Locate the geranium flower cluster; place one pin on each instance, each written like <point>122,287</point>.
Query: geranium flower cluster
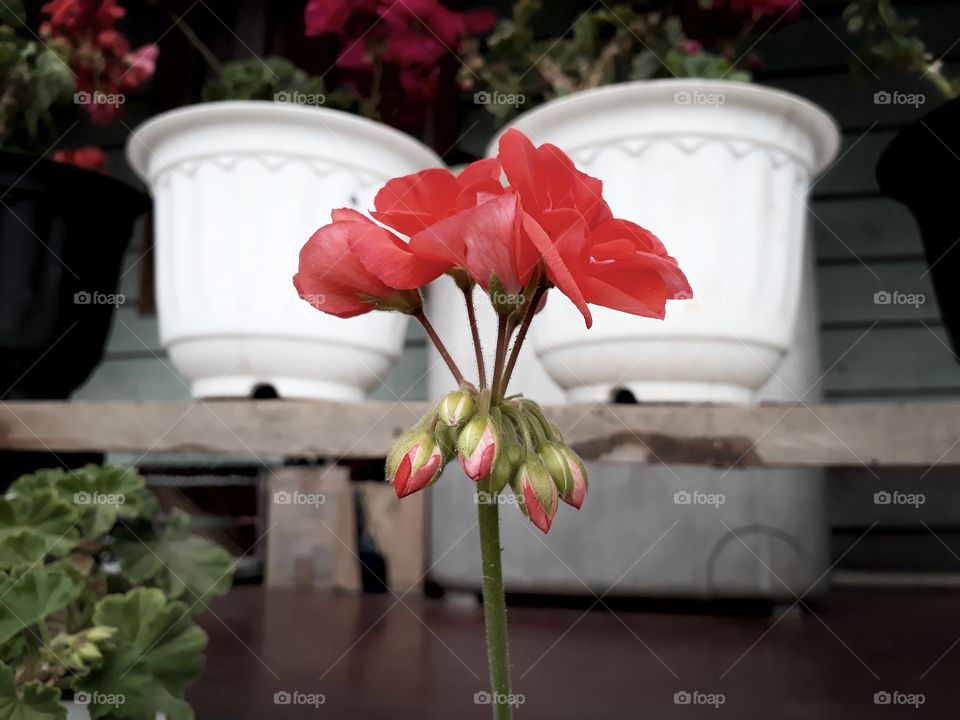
<point>100,56</point>
<point>548,227</point>
<point>411,35</point>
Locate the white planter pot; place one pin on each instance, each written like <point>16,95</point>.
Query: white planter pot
<point>720,171</point>
<point>238,188</point>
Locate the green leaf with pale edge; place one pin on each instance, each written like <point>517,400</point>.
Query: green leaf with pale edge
<point>100,494</point>
<point>27,598</point>
<point>43,514</point>
<point>184,565</point>
<point>34,701</point>
<point>158,652</point>
<point>22,549</point>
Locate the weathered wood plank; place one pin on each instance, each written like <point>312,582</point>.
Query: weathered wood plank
<point>918,434</point>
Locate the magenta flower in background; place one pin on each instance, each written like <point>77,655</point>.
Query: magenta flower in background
<point>410,35</point>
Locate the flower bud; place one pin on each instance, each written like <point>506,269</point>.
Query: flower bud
<point>537,492</point>
<point>567,471</point>
<point>456,408</point>
<point>477,445</point>
<point>415,462</point>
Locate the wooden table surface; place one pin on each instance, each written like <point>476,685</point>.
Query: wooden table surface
<point>373,656</point>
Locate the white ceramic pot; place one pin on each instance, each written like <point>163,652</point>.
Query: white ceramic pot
<point>720,171</point>
<point>238,188</point>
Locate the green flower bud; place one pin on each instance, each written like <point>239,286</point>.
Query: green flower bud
<point>456,408</point>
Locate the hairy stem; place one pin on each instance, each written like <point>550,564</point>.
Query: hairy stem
<point>494,610</point>
<point>441,348</point>
<point>475,331</point>
<point>521,336</point>
<point>500,356</point>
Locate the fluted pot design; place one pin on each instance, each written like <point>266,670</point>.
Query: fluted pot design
<point>238,188</point>
<point>720,171</point>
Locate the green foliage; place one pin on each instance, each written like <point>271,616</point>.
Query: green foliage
<point>886,42</point>
<point>96,591</point>
<point>607,44</point>
<point>275,79</point>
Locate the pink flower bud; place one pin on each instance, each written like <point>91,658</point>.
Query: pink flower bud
<point>538,493</point>
<point>418,465</point>
<point>567,471</point>
<point>478,447</point>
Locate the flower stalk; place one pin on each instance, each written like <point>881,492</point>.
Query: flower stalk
<point>494,608</point>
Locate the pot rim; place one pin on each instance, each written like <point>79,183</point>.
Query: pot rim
<point>822,126</point>
<point>123,195</point>
<point>159,127</point>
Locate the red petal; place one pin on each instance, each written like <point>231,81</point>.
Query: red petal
<point>489,233</point>
<point>390,258</point>
<point>559,273</point>
<point>412,203</point>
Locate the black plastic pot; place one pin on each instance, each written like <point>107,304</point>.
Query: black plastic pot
<point>921,169</point>
<point>63,234</point>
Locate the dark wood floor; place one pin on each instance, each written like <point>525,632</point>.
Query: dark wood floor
<point>371,657</point>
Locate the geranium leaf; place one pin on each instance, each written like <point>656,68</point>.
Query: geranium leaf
<point>27,598</point>
<point>158,652</point>
<point>184,565</point>
<point>41,513</point>
<point>21,549</point>
<point>34,701</point>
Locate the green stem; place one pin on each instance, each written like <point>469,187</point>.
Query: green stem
<point>495,609</point>
<point>475,331</point>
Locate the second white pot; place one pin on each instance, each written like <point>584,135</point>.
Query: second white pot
<point>720,171</point>
<point>238,188</point>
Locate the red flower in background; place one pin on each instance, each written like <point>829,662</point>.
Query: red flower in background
<point>411,35</point>
<point>88,157</point>
<point>101,58</point>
